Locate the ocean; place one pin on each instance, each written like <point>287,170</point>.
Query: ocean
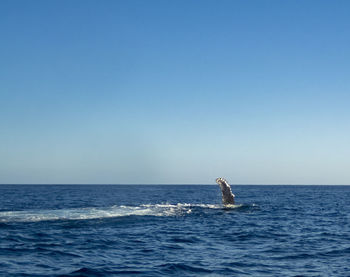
<point>174,230</point>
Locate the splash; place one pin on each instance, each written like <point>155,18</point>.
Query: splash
<point>109,212</point>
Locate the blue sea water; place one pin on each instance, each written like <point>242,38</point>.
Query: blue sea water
<point>156,230</point>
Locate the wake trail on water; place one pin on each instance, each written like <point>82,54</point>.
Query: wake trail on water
<point>110,212</point>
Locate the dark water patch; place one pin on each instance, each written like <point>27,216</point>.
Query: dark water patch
<point>179,268</point>
<point>172,246</point>
<point>188,239</point>
<point>89,272</point>
<point>336,252</point>
<point>85,272</point>
<point>302,256</point>
<point>3,225</point>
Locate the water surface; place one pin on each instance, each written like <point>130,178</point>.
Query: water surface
<point>155,230</point>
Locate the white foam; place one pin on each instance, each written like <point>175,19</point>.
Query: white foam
<point>96,213</point>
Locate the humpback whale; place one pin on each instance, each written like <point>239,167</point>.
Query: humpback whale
<point>228,198</point>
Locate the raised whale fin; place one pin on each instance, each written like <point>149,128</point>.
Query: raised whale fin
<point>228,198</point>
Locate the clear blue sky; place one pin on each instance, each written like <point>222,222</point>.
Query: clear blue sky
<point>175,91</point>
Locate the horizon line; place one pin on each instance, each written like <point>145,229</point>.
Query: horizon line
<point>162,184</point>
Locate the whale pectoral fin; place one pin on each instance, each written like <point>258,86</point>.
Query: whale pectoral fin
<point>228,198</point>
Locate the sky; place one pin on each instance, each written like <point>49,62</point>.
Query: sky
<point>174,92</point>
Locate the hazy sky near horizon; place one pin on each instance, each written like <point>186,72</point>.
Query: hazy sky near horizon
<point>174,92</point>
